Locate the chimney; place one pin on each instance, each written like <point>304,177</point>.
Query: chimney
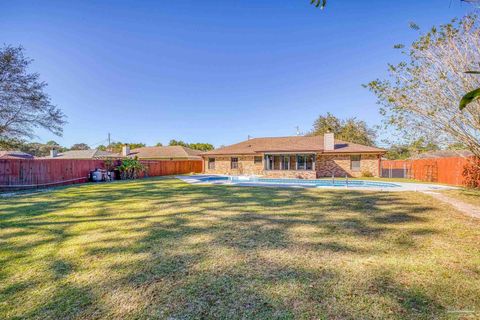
<point>125,150</point>
<point>53,153</point>
<point>328,141</point>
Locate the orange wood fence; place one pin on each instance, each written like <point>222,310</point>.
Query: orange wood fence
<point>442,170</point>
<point>165,168</point>
<point>16,174</point>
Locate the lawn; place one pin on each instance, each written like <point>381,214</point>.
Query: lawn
<point>161,248</point>
<point>471,196</point>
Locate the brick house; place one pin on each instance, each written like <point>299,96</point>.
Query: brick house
<point>306,157</point>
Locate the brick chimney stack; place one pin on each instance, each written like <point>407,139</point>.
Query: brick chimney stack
<point>125,150</point>
<point>329,141</point>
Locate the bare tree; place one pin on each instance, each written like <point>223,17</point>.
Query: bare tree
<point>24,105</point>
<point>420,96</point>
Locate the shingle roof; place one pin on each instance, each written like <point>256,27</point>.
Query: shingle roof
<point>442,154</point>
<point>7,154</point>
<point>85,154</point>
<point>168,152</point>
<point>291,144</point>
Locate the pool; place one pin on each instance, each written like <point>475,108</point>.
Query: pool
<point>297,182</point>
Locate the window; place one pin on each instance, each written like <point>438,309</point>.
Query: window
<point>309,162</point>
<point>355,162</point>
<point>234,163</point>
<point>257,160</point>
<point>285,163</point>
<point>306,162</point>
<point>211,163</point>
<point>301,162</point>
<point>268,162</point>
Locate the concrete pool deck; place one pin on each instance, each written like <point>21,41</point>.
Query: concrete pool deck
<point>399,186</point>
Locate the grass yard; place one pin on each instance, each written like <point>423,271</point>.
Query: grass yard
<point>471,196</point>
<point>160,248</point>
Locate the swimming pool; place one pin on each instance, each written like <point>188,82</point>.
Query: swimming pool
<point>298,182</point>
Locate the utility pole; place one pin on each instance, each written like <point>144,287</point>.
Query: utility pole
<point>109,139</point>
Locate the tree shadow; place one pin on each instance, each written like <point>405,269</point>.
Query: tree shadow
<point>218,251</point>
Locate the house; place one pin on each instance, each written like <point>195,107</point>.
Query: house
<point>442,154</point>
<point>145,153</point>
<point>306,157</point>
<point>82,154</point>
<point>5,154</point>
<point>164,153</point>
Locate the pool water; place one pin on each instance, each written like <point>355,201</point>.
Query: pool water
<point>300,182</point>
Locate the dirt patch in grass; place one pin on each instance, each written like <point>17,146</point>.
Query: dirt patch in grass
<point>161,248</point>
<point>470,196</point>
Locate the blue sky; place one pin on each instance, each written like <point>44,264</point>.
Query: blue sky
<point>211,71</point>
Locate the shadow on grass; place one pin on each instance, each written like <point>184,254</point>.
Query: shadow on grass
<point>181,278</point>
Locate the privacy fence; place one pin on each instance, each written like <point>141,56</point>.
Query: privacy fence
<point>17,174</point>
<point>442,170</point>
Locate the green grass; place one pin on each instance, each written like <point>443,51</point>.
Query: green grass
<point>160,248</point>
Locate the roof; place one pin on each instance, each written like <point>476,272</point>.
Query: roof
<point>442,154</point>
<point>84,154</point>
<point>168,152</point>
<point>291,144</point>
<point>14,154</point>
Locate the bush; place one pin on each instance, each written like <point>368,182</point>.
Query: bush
<point>367,174</point>
<point>471,172</point>
<point>130,168</point>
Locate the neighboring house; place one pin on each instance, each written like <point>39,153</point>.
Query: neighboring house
<point>165,153</point>
<point>306,157</point>
<point>14,155</point>
<point>82,154</point>
<point>442,154</point>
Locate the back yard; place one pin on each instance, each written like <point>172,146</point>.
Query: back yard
<point>161,248</point>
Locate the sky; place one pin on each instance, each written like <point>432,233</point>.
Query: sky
<point>211,71</point>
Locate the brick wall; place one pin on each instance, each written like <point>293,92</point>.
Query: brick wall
<point>340,165</point>
<point>325,165</point>
<point>246,166</point>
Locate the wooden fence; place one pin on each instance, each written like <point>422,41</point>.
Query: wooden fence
<point>17,174</point>
<point>442,170</point>
<point>165,168</point>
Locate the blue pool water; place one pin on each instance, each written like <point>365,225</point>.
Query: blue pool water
<point>300,182</point>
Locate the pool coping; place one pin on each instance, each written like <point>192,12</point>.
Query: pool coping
<point>402,186</point>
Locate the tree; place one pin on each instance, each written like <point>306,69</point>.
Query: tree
<point>405,151</point>
<point>24,105</point>
<point>117,146</point>
<point>351,130</point>
<point>174,142</point>
<point>319,3</point>
<point>80,146</point>
<point>10,144</point>
<point>52,143</point>
<point>196,146</point>
<point>159,144</point>
<point>201,146</point>
<point>420,96</point>
<point>36,149</point>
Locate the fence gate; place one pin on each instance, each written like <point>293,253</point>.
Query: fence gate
<point>390,169</point>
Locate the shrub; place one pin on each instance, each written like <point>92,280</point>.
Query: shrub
<point>471,172</point>
<point>130,168</point>
<point>367,174</point>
